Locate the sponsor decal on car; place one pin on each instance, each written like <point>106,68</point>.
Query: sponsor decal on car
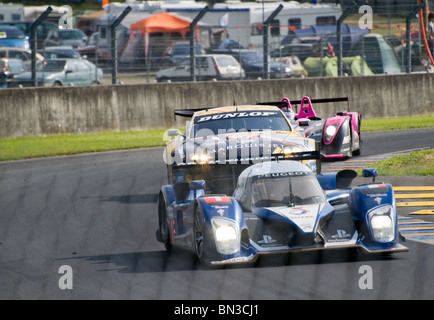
<point>217,199</point>
<point>236,115</point>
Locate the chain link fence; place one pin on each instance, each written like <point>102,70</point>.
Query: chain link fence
<point>373,44</point>
<point>371,41</point>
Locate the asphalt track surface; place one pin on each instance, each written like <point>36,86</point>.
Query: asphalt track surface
<point>97,214</point>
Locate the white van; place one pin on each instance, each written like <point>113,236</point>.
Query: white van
<point>207,67</point>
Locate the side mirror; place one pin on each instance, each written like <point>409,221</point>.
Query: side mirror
<point>370,172</point>
<point>173,133</point>
<point>197,185</point>
<point>169,134</point>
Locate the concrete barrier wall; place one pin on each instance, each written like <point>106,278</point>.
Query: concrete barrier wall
<point>39,111</point>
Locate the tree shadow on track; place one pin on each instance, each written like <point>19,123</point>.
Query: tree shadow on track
<point>179,260</point>
<point>142,262</point>
<point>130,198</point>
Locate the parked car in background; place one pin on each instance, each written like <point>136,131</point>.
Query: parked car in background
<point>8,69</point>
<point>62,72</point>
<point>225,44</point>
<point>294,63</point>
<point>207,67</point>
<point>303,48</point>
<point>41,30</point>
<point>177,51</point>
<point>59,53</point>
<point>13,37</point>
<point>66,37</point>
<point>94,52</point>
<point>24,55</point>
<point>379,54</point>
<point>350,36</point>
<point>252,62</point>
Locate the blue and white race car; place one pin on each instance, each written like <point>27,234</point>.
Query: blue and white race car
<point>278,207</point>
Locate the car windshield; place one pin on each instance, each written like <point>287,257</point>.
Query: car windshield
<point>52,65</point>
<point>226,61</point>
<point>251,57</point>
<point>200,62</point>
<point>71,34</point>
<point>242,121</point>
<point>11,33</point>
<point>56,54</point>
<point>184,49</point>
<point>16,66</point>
<point>286,189</point>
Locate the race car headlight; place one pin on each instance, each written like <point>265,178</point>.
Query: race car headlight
<point>200,158</point>
<point>226,236</point>
<point>330,131</point>
<point>290,150</point>
<point>381,224</point>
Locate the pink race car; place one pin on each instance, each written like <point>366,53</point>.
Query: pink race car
<point>339,136</point>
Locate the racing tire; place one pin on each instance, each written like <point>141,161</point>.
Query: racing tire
<point>199,236</point>
<point>358,151</point>
<point>204,247</point>
<point>318,166</point>
<point>162,223</point>
<point>354,152</point>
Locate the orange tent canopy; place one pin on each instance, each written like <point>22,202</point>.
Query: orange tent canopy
<point>161,22</point>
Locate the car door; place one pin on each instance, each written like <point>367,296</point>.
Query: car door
<point>52,39</point>
<point>21,55</point>
<point>84,73</point>
<point>181,72</point>
<point>204,68</point>
<point>72,76</point>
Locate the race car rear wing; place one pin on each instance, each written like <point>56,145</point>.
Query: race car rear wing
<point>286,103</point>
<point>188,113</point>
<point>324,100</point>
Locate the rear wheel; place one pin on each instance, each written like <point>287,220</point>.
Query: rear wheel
<point>162,220</point>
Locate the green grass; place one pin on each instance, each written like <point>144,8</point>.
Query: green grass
<point>398,123</point>
<point>417,163</point>
<point>67,144</point>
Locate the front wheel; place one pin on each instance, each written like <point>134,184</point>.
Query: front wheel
<point>199,235</point>
<point>358,151</point>
<point>162,223</point>
<point>204,245</point>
